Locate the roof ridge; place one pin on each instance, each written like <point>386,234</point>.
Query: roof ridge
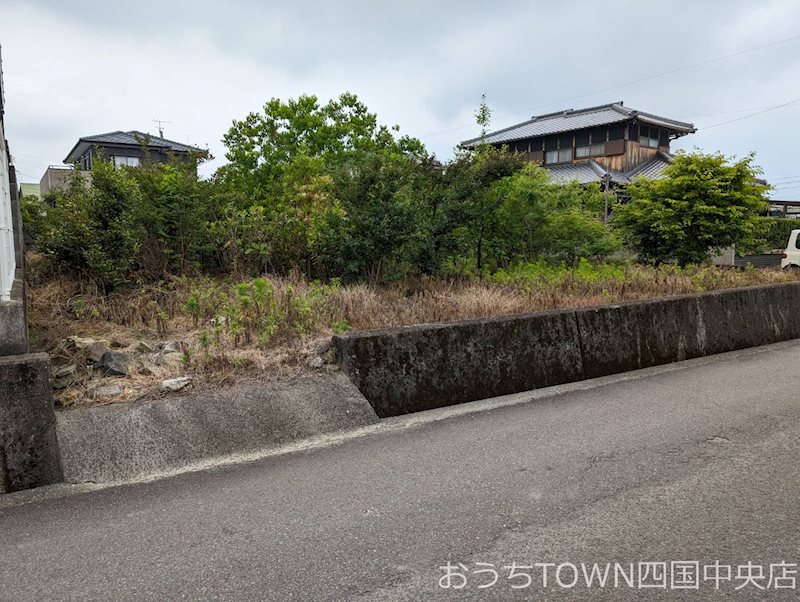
<point>571,120</point>
<point>500,131</point>
<point>599,169</point>
<point>568,112</point>
<point>103,134</point>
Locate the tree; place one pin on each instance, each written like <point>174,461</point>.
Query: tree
<point>262,146</point>
<point>704,203</point>
<point>333,184</point>
<point>93,226</point>
<point>474,199</point>
<point>483,116</point>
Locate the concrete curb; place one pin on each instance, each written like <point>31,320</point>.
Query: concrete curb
<point>128,441</point>
<point>429,366</point>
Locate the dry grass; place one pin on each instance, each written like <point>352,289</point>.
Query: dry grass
<point>303,315</point>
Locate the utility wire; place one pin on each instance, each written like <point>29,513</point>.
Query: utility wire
<point>631,82</point>
<point>786,178</point>
<point>786,104</point>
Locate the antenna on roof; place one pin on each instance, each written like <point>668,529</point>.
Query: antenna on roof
<point>160,123</point>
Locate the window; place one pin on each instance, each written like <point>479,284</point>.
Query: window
<point>590,150</point>
<point>598,135</point>
<point>648,136</point>
<point>649,142</point>
<point>558,156</point>
<point>616,132</point>
<point>126,161</point>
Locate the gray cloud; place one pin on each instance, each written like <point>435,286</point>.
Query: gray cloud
<point>84,67</point>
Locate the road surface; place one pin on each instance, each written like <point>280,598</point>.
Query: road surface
<point>696,462</point>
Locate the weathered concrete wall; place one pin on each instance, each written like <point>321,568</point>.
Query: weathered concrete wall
<point>749,317</point>
<point>28,443</point>
<point>127,441</point>
<point>434,365</point>
<point>13,322</point>
<point>418,368</point>
<point>629,336</point>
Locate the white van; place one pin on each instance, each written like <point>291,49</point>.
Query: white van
<point>791,256</point>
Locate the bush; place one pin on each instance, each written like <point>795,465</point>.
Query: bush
<point>776,232</point>
<point>704,203</point>
<point>146,222</point>
<point>92,227</point>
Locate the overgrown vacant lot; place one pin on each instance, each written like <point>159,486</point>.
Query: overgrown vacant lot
<point>216,330</point>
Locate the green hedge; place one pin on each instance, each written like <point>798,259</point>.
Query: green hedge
<point>777,231</point>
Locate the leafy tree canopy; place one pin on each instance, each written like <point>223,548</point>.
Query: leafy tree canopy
<point>262,146</point>
<point>704,203</point>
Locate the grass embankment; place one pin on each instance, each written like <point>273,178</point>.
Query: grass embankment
<point>273,326</point>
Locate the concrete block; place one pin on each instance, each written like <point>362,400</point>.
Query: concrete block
<point>748,317</point>
<point>13,323</point>
<point>423,367</point>
<point>28,443</point>
<point>629,336</point>
<point>128,441</point>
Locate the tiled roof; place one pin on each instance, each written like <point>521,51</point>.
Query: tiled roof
<point>591,171</point>
<point>571,120</point>
<point>135,137</point>
<point>653,168</point>
<point>131,138</point>
<point>583,173</point>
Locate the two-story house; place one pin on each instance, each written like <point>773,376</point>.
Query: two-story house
<point>609,144</point>
<point>127,149</point>
<point>124,149</point>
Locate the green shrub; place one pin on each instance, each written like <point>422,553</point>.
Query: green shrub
<point>776,232</point>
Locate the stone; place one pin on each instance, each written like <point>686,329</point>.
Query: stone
<point>163,359</point>
<point>172,347</point>
<point>107,391</point>
<point>96,351</point>
<point>322,347</point>
<point>115,363</point>
<point>142,347</point>
<point>64,376</point>
<point>76,342</point>
<point>176,384</point>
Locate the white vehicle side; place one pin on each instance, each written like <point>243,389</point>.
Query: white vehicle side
<point>791,256</point>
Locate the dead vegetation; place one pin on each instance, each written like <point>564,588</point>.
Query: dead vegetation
<point>276,327</point>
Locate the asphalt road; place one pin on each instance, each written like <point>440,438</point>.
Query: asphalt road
<point>697,462</point>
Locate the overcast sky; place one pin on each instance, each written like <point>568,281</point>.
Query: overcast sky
<point>79,68</point>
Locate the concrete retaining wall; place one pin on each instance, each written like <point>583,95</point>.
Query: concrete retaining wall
<point>13,321</point>
<point>127,441</point>
<point>28,445</point>
<point>423,367</point>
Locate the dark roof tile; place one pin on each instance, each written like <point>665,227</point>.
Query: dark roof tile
<point>571,120</point>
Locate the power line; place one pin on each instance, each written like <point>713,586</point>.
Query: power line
<point>786,178</point>
<point>631,82</point>
<point>786,104</point>
<point>722,112</point>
